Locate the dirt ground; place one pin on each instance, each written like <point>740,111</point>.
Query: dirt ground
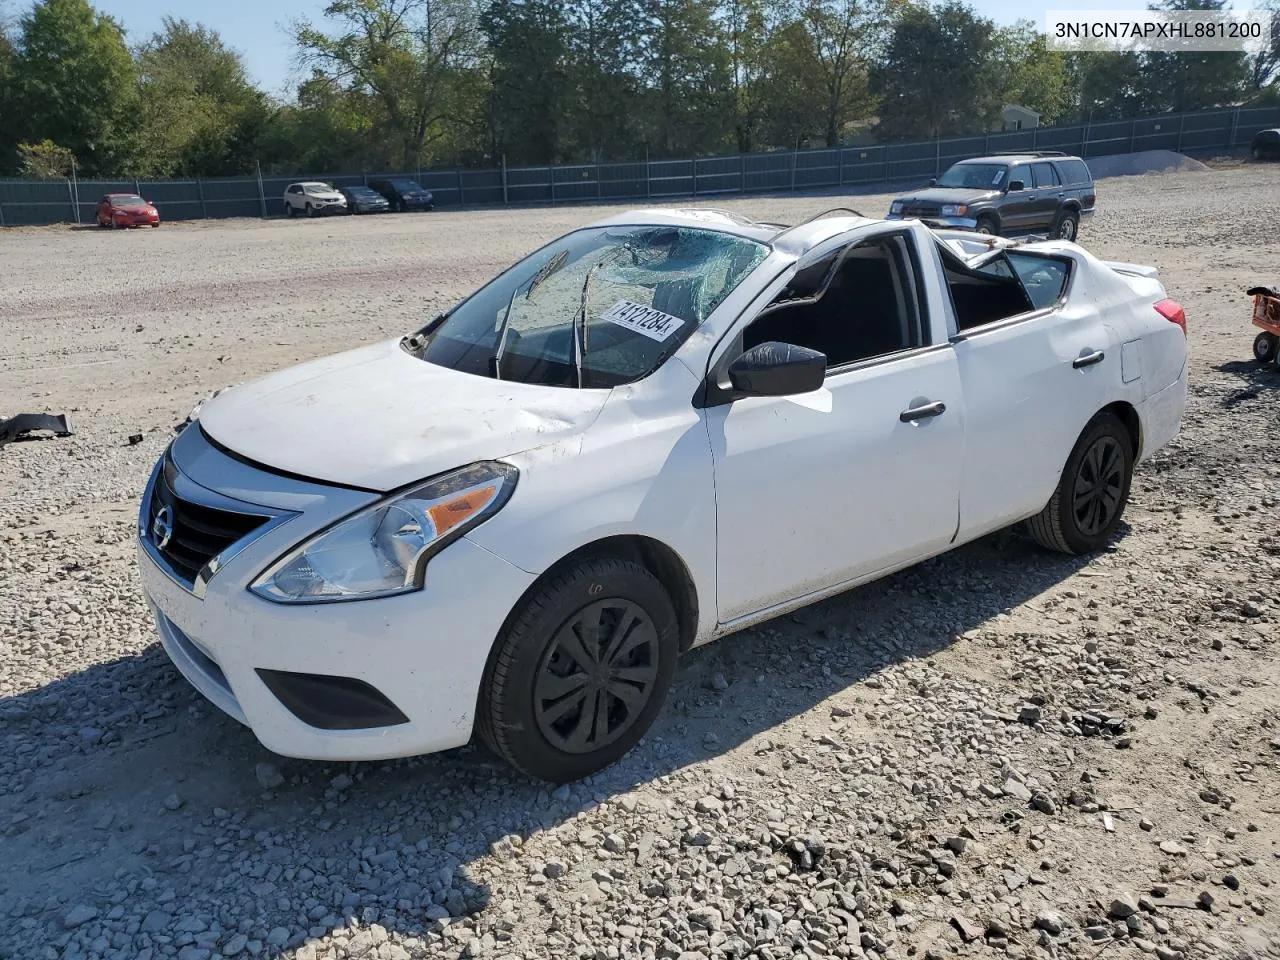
<point>998,752</point>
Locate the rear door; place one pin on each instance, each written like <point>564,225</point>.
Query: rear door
<point>1032,378</point>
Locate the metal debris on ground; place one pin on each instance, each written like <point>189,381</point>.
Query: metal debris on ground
<point>24,423</point>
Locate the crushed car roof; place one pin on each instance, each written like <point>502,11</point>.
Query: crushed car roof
<point>794,240</point>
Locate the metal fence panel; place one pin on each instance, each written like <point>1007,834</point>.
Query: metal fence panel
<point>35,202</point>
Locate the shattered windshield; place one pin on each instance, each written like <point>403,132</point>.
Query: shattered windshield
<point>978,176</point>
<point>597,308</point>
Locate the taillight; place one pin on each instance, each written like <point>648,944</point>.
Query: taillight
<point>1172,311</point>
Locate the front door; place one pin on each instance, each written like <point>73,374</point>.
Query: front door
<point>863,475</point>
<point>1017,210</point>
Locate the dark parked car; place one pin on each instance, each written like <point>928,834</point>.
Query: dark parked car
<point>404,194</point>
<point>362,199</point>
<point>1266,145</point>
<point>1007,194</point>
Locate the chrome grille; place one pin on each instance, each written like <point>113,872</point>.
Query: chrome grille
<point>197,533</point>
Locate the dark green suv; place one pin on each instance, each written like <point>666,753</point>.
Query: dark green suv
<point>1006,194</point>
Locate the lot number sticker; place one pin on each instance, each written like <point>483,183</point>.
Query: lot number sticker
<point>646,321</point>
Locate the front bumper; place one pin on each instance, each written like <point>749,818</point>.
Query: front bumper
<point>422,654</point>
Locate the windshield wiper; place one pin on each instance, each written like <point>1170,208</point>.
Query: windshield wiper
<point>547,269</point>
<point>580,316</point>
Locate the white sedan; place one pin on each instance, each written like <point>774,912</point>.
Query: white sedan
<point>654,431</point>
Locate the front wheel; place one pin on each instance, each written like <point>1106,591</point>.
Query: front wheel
<point>1067,226</point>
<point>311,211</point>
<point>288,210</point>
<point>580,671</point>
<point>987,225</point>
<point>1092,492</point>
<point>1264,347</point>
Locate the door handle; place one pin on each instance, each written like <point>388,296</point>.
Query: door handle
<point>1088,360</point>
<point>935,409</point>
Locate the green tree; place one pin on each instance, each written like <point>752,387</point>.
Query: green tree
<point>1190,80</point>
<point>846,36</point>
<point>44,160</point>
<point>402,58</point>
<point>683,57</point>
<point>1264,66</point>
<point>748,25</point>
<point>1033,75</point>
<point>602,91</point>
<point>937,77</point>
<point>203,116</point>
<point>76,84</point>
<point>1109,85</point>
<point>8,100</point>
<point>793,82</point>
<point>529,44</point>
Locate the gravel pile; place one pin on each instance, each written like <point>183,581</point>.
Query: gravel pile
<point>998,752</point>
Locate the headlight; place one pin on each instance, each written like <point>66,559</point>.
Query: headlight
<point>954,209</point>
<point>383,549</point>
<point>895,207</point>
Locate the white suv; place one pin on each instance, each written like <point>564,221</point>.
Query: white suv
<point>313,199</point>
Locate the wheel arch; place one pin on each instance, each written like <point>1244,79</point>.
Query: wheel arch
<point>1127,414</point>
<point>655,556</point>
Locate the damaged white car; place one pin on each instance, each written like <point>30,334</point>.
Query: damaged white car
<point>651,432</point>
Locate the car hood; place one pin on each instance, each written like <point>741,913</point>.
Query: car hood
<point>948,195</point>
<point>378,418</point>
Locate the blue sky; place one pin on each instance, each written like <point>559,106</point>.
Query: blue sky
<point>259,28</point>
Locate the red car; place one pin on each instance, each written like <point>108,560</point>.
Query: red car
<point>126,210</point>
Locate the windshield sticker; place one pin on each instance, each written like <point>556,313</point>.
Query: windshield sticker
<point>995,181</point>
<point>646,321</point>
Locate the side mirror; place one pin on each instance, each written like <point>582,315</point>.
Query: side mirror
<point>1016,185</point>
<point>933,181</point>
<point>778,370</point>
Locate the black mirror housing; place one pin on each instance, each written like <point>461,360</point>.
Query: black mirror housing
<point>1016,185</point>
<point>776,369</point>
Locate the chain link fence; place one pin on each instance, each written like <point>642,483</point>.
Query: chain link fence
<point>36,202</point>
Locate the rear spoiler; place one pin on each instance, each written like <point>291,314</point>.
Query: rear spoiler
<point>1133,269</point>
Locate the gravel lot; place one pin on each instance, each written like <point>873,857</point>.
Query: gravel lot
<point>1000,751</point>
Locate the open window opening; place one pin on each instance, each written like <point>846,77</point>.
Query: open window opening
<point>854,304</point>
<point>1003,287</point>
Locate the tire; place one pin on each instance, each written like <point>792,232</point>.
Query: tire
<point>288,210</point>
<point>1104,450</point>
<point>987,224</point>
<point>1257,153</point>
<point>1067,225</point>
<point>311,211</point>
<point>539,704</point>
<point>1264,347</point>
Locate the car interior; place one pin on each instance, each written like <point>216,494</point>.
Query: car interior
<point>861,302</point>
<point>853,304</point>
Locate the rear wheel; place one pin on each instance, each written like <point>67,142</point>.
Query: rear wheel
<point>1092,492</point>
<point>580,671</point>
<point>1067,225</point>
<point>987,224</point>
<point>288,210</point>
<point>1264,347</point>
